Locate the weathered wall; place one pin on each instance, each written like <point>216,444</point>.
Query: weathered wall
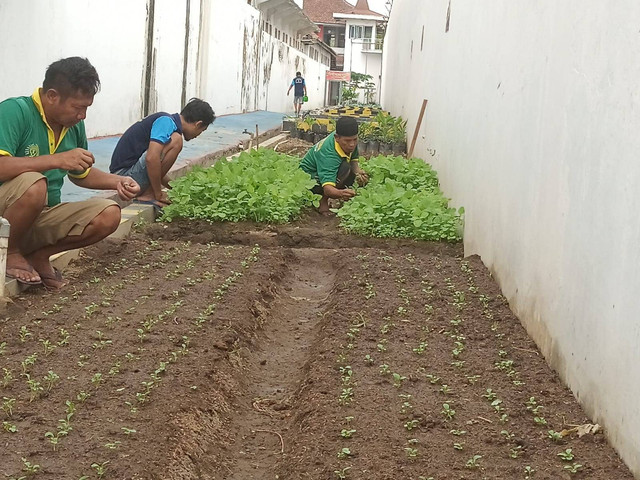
<point>532,122</point>
<point>34,34</point>
<point>168,55</point>
<point>279,63</point>
<point>224,65</point>
<point>260,65</point>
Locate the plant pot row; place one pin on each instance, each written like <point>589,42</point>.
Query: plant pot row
<point>308,136</point>
<point>371,148</point>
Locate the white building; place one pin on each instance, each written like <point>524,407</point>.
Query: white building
<point>354,32</point>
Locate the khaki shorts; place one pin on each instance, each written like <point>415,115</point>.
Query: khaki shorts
<point>54,223</point>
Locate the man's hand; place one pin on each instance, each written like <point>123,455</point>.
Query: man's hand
<point>347,194</point>
<point>127,188</point>
<point>76,160</point>
<point>362,178</point>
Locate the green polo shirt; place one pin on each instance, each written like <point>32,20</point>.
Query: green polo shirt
<point>24,132</point>
<point>323,160</point>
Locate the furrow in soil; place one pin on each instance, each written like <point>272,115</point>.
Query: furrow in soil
<point>275,369</point>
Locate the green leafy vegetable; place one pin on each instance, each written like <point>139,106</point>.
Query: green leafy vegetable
<point>263,186</point>
<point>402,199</point>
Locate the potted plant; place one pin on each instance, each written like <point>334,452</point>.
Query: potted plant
<point>306,126</point>
<point>288,124</point>
<point>364,134</point>
<point>399,137</point>
<point>385,128</point>
<point>374,139</point>
<point>320,125</point>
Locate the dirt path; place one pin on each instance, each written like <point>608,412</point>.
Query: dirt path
<point>276,369</point>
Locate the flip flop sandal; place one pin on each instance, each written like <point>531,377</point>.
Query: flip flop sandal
<point>157,208</point>
<point>22,281</point>
<point>56,277</point>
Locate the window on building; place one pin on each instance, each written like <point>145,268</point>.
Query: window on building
<point>356,31</point>
<point>341,36</point>
<point>361,32</point>
<point>330,36</point>
<point>334,36</point>
<point>379,39</point>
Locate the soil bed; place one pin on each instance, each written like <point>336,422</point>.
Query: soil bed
<point>293,146</point>
<point>197,351</point>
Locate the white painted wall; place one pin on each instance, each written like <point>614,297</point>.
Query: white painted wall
<point>168,42</point>
<point>248,69</point>
<point>533,115</point>
<point>35,33</point>
<point>280,73</point>
<point>225,46</point>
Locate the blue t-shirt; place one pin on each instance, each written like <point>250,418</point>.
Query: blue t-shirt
<point>157,127</point>
<point>298,84</point>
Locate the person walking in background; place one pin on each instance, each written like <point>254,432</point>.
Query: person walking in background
<point>300,91</point>
<point>149,148</point>
<point>43,140</point>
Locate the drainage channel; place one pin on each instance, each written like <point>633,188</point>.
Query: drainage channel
<point>275,371</point>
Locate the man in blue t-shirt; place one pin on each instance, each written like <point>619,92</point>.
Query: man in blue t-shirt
<point>149,148</point>
<point>300,91</point>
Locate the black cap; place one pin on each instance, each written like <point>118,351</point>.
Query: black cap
<point>346,127</point>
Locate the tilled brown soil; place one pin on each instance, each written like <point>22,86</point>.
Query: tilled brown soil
<point>192,351</point>
<point>293,146</point>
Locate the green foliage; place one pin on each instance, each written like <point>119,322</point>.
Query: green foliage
<point>262,186</point>
<point>402,199</point>
<point>359,82</point>
<point>384,128</point>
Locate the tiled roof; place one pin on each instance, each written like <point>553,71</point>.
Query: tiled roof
<point>321,11</point>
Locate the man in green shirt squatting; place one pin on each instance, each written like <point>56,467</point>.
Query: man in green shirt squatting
<point>333,163</point>
<point>42,140</point>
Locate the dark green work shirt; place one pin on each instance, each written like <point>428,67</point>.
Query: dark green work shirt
<point>24,132</point>
<point>323,160</point>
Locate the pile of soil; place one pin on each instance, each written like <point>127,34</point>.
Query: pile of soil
<point>245,351</point>
<point>293,146</point>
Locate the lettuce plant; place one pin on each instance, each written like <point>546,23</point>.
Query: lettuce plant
<point>262,186</point>
<point>402,199</point>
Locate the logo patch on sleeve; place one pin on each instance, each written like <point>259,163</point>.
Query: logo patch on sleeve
<point>32,150</point>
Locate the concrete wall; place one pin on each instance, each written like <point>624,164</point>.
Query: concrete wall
<point>37,33</point>
<point>533,124</point>
<point>281,61</point>
<point>229,60</point>
<point>266,68</point>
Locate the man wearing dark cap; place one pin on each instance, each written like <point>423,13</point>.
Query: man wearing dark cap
<point>333,163</point>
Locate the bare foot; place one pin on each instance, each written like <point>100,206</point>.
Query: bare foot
<point>325,211</point>
<point>55,281</point>
<point>19,268</point>
<point>50,276</point>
